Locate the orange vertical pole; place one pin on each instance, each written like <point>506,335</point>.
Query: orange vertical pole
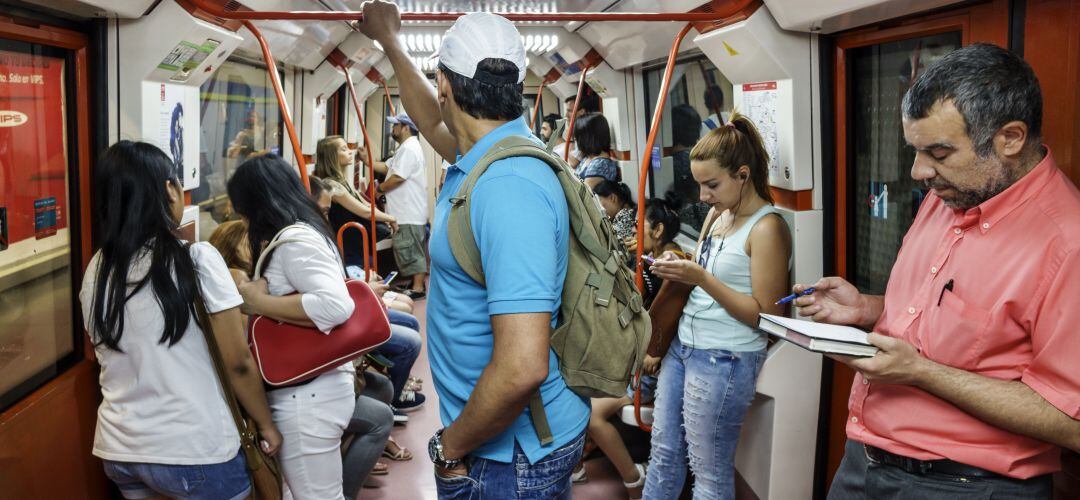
<point>389,100</point>
<point>370,165</point>
<point>573,113</point>
<point>646,157</point>
<point>536,109</point>
<point>286,117</point>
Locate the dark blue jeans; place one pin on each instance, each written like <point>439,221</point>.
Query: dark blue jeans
<point>402,349</point>
<point>547,479</point>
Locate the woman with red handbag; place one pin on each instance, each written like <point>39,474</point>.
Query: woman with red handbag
<point>303,284</point>
<point>164,427</point>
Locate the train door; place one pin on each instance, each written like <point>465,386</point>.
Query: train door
<point>875,197</point>
<point>48,381</point>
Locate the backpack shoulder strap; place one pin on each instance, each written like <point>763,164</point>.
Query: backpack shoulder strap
<point>459,224</point>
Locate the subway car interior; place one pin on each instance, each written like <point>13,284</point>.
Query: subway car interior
<point>215,84</point>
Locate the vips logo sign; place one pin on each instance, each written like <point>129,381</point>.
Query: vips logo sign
<point>12,118</point>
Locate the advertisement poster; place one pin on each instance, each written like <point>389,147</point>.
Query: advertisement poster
<point>33,161</point>
<point>176,121</point>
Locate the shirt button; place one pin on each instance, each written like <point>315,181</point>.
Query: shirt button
<point>933,270</point>
<point>957,231</point>
<point>855,419</point>
<point>911,310</point>
<point>986,225</point>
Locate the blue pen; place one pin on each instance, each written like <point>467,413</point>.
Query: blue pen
<point>794,296</point>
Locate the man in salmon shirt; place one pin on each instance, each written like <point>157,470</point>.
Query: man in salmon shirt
<point>977,384</point>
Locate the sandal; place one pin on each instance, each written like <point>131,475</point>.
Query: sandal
<point>635,488</point>
<point>402,455</point>
<point>578,476</point>
<point>380,469</point>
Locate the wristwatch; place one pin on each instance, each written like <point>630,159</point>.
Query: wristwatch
<point>435,452</point>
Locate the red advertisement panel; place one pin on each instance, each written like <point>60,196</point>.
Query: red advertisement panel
<point>33,160</point>
<point>753,87</point>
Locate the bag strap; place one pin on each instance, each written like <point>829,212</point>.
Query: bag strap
<point>274,243</point>
<point>219,364</point>
<point>560,126</point>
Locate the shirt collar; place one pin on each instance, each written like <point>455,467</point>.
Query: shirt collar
<point>513,127</point>
<point>991,211</point>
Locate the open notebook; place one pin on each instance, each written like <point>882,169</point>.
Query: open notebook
<point>818,337</point>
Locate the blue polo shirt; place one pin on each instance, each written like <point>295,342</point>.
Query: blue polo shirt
<point>521,225</point>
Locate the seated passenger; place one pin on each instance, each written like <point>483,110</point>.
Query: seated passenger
<point>335,166</point>
<point>230,240</point>
<point>312,416</point>
<point>162,418</point>
<point>550,123</point>
<point>618,204</point>
<point>661,228</point>
<point>593,137</point>
<point>741,268</point>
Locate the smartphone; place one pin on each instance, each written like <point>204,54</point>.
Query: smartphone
<point>390,278</point>
<point>648,260</point>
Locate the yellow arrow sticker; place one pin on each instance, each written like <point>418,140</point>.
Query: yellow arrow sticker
<point>730,51</point>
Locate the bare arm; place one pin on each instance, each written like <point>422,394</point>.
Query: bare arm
<point>1005,404</point>
<point>287,308</point>
<point>382,22</point>
<point>242,373</point>
<point>391,183</point>
<point>592,182</point>
<point>770,250</point>
<point>361,208</point>
<point>519,365</point>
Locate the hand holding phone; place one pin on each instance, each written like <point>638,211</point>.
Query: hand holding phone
<point>648,260</point>
<point>390,278</point>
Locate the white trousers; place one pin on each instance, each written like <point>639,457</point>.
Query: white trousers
<point>312,419</point>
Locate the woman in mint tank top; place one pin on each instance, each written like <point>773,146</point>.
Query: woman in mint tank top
<point>711,368</point>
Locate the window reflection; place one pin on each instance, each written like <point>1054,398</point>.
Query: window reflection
<point>699,100</point>
<point>37,333</point>
<point>240,118</point>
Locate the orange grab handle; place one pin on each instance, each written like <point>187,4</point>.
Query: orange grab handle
<point>286,117</point>
<point>637,403</point>
<point>536,109</point>
<point>389,100</point>
<point>341,245</point>
<point>646,157</point>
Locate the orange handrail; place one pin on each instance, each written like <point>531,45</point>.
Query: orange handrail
<point>536,109</point>
<point>646,158</point>
<point>370,164</point>
<point>219,11</point>
<point>389,100</point>
<point>286,117</point>
<point>637,402</point>
<point>573,113</point>
<point>341,244</point>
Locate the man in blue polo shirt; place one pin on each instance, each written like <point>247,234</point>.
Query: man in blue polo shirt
<point>489,346</point>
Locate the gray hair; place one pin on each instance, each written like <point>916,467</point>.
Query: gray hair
<point>989,86</point>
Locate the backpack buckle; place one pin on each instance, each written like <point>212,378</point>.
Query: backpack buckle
<point>457,202</point>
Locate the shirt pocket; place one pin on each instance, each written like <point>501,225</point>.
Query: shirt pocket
<point>956,331</point>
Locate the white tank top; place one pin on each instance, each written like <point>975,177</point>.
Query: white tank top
<point>705,324</point>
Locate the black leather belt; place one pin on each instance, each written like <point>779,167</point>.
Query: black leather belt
<point>913,466</point>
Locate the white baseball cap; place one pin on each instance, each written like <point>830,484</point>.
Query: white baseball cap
<point>478,36</point>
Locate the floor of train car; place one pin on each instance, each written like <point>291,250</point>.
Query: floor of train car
<point>414,479</point>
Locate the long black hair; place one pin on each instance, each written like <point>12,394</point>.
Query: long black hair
<point>268,193</point>
<point>133,211</point>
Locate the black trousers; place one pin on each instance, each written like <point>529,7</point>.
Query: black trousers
<point>861,479</point>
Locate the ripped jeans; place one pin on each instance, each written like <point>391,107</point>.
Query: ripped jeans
<point>701,400</point>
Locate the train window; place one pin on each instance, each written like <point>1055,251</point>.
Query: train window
<point>886,197</point>
<point>699,99</point>
<point>239,118</point>
<point>39,333</point>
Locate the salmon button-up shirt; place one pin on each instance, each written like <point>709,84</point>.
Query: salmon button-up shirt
<point>993,290</point>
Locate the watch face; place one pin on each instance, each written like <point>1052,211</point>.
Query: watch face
<point>433,448</point>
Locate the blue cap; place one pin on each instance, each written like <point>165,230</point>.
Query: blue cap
<point>402,118</point>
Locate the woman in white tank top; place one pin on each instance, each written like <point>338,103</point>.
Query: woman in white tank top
<point>740,269</point>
